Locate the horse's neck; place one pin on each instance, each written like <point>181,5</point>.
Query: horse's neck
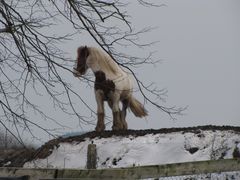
<point>98,61</point>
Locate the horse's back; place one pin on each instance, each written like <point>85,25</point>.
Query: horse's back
<point>101,61</point>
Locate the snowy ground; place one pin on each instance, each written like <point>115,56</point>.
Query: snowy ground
<point>144,150</point>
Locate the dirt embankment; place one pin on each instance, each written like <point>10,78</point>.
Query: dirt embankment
<point>15,157</point>
<point>18,157</point>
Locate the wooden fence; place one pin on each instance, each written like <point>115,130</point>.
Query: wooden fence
<point>138,172</point>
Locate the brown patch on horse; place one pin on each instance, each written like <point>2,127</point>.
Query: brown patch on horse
<point>82,54</point>
<point>103,84</point>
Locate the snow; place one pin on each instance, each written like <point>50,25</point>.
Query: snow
<point>7,163</point>
<point>150,149</point>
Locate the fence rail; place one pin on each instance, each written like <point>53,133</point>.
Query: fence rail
<point>15,178</point>
<point>138,172</point>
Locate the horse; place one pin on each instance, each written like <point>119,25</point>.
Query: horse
<point>112,84</point>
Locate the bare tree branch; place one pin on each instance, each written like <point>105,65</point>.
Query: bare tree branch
<point>31,58</point>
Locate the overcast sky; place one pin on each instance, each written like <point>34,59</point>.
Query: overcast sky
<point>199,43</point>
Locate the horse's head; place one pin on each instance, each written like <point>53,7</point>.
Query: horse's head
<point>81,66</point>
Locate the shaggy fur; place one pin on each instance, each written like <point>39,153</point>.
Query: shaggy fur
<point>101,83</point>
<point>112,84</point>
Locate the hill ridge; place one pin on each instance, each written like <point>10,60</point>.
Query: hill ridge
<point>46,149</point>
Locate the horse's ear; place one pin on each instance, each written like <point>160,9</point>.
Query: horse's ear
<point>86,51</point>
<point>83,51</point>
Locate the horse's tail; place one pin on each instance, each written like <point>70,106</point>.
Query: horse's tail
<point>137,108</point>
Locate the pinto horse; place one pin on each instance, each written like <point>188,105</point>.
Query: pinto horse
<point>112,84</point>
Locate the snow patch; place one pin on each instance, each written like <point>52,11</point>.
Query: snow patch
<point>150,149</point>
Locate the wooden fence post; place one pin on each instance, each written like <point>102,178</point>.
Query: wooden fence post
<point>92,156</point>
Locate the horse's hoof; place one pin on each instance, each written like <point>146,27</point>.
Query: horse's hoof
<point>100,129</point>
<point>116,128</point>
<point>125,126</point>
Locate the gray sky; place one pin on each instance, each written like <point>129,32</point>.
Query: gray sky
<point>199,43</point>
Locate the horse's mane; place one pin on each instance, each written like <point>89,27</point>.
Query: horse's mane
<point>104,60</point>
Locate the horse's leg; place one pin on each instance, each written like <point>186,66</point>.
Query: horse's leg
<point>100,110</point>
<point>117,123</point>
<point>124,113</point>
<point>110,104</point>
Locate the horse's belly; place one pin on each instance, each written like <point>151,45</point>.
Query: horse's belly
<point>123,84</point>
<point>124,88</point>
